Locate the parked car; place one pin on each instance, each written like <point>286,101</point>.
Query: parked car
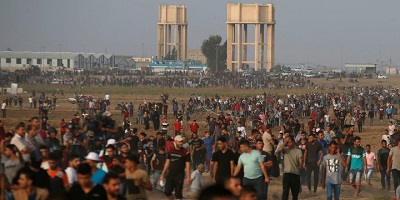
<point>380,76</point>
<point>56,81</point>
<point>297,69</point>
<point>310,75</point>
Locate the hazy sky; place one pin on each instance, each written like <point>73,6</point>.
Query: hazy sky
<point>306,31</point>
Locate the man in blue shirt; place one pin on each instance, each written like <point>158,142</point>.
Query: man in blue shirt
<point>255,174</point>
<point>209,145</point>
<point>97,174</point>
<point>356,155</point>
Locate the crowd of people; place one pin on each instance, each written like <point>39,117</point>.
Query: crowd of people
<point>94,157</point>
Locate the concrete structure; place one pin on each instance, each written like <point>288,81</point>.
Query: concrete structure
<point>240,16</point>
<point>392,71</point>
<point>360,67</point>
<point>172,31</point>
<point>19,59</point>
<point>197,55</point>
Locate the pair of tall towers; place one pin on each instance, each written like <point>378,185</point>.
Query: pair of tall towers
<point>172,23</point>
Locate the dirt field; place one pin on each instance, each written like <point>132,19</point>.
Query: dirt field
<point>371,134</point>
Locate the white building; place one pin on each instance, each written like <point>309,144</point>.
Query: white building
<point>17,59</point>
<point>89,61</point>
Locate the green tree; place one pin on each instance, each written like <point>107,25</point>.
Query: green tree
<point>215,52</point>
<point>172,55</point>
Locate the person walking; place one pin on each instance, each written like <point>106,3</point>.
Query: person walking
<point>312,160</point>
<point>255,174</point>
<point>223,162</point>
<point>393,164</point>
<point>178,159</point>
<point>357,161</point>
<point>371,164</point>
<point>293,163</point>
<point>3,109</point>
<point>331,176</point>
<point>382,157</point>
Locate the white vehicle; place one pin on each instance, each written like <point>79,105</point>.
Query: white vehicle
<point>310,75</point>
<point>297,69</point>
<point>79,70</point>
<point>286,73</point>
<point>55,81</point>
<point>380,76</point>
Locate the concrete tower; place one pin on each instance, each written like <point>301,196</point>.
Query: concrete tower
<point>239,17</point>
<point>172,31</point>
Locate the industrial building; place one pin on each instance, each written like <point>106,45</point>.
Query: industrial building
<point>45,60</point>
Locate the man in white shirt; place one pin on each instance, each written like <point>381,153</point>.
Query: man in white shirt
<point>241,130</point>
<point>327,119</point>
<point>195,179</point>
<point>20,142</point>
<point>73,162</point>
<point>30,100</point>
<point>3,109</point>
<point>267,137</point>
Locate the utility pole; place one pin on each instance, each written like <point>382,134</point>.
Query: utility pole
<point>216,59</point>
<point>142,51</point>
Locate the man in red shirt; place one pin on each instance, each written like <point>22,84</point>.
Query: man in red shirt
<point>193,127</point>
<point>62,130</point>
<point>177,126</point>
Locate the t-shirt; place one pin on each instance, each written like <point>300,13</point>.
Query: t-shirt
<point>133,181</point>
<point>134,142</point>
<point>395,153</point>
<point>197,144</point>
<point>398,192</point>
<point>159,161</point>
<point>333,169</point>
<point>251,164</point>
<point>178,161</point>
<point>313,152</point>
<point>386,138</point>
<point>21,143</point>
<point>96,193</point>
<point>383,155</point>
<point>57,180</point>
<point>208,142</point>
<point>223,160</point>
<point>266,139</point>
<point>291,160</point>
<point>356,154</point>
<point>370,160</point>
<point>196,183</point>
<point>11,168</point>
<point>324,145</point>
<point>98,176</point>
<point>71,175</point>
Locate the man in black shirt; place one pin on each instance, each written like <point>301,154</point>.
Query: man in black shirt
<point>159,141</point>
<point>371,116</point>
<point>223,162</point>
<point>85,189</point>
<point>112,186</point>
<point>133,140</point>
<point>177,160</point>
<point>197,151</point>
<point>312,160</point>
